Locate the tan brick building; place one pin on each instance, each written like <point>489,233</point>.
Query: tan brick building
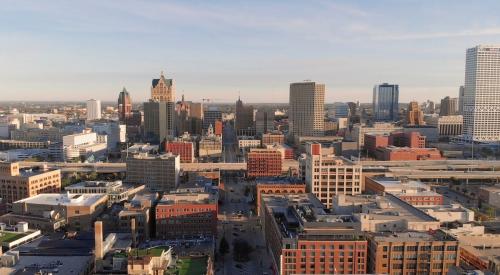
<point>17,184</point>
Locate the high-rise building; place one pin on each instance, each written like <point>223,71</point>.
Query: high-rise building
<point>461,92</point>
<point>157,123</point>
<point>210,116</point>
<point>327,175</point>
<point>449,106</point>
<point>307,109</point>
<point>386,102</point>
<point>340,110</point>
<point>124,105</point>
<point>244,117</point>
<point>93,109</point>
<point>415,116</point>
<point>264,122</point>
<point>482,94</point>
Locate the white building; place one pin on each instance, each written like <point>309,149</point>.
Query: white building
<point>84,144</point>
<point>327,175</point>
<point>116,132</point>
<point>482,94</point>
<point>307,109</point>
<point>245,143</point>
<point>447,125</point>
<point>93,109</point>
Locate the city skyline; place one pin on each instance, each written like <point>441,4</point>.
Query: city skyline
<point>93,49</point>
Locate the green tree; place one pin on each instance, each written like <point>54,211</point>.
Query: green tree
<point>223,246</point>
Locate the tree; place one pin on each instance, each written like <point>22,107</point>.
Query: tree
<point>241,250</point>
<point>223,246</point>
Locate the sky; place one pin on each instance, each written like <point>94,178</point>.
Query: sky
<point>77,50</point>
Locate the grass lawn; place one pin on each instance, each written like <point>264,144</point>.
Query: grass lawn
<point>10,237</point>
<point>194,266</point>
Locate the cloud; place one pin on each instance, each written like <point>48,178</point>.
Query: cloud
<point>438,35</point>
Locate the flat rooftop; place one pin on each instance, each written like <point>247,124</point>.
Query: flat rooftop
<point>63,199</point>
<point>188,198</point>
<point>279,180</point>
<point>94,184</point>
<point>412,236</point>
<point>29,265</point>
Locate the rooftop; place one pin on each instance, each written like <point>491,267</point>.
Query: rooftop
<point>412,236</point>
<point>279,180</point>
<point>188,198</point>
<point>64,199</point>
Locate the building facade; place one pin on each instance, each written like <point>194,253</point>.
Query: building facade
<point>124,105</point>
<point>264,163</point>
<point>449,106</point>
<point>414,116</point>
<point>386,102</point>
<point>307,109</point>
<point>327,175</point>
<point>184,149</point>
<point>93,109</point>
<point>482,94</point>
<point>158,172</point>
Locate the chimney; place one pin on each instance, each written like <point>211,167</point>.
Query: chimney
<point>132,228</point>
<point>98,240</point>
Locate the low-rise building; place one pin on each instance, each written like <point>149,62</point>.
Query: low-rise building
<point>412,252</point>
<point>210,146</point>
<point>264,163</point>
<point>116,190</point>
<point>304,239</point>
<point>17,184</point>
<point>48,212</point>
<point>382,213</point>
<point>450,213</point>
<point>135,217</point>
<point>413,192</point>
<point>272,138</point>
<point>186,214</point>
<point>246,143</point>
<point>393,153</point>
<point>139,148</point>
<point>157,172</point>
<point>278,186</point>
<point>490,195</point>
<point>447,125</point>
<point>185,149</point>
<point>286,151</point>
<point>84,144</point>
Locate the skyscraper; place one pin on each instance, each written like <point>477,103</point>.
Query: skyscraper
<point>386,102</point>
<point>449,106</point>
<point>264,121</point>
<point>482,94</point>
<point>307,109</point>
<point>156,122</point>
<point>461,92</point>
<point>415,116</point>
<point>244,117</point>
<point>93,109</point>
<point>124,105</point>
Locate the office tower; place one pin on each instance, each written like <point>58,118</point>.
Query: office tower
<point>307,109</point>
<point>340,110</point>
<point>124,105</point>
<point>414,117</point>
<point>196,110</point>
<point>93,109</point>
<point>264,122</point>
<point>244,117</point>
<point>160,173</point>
<point>210,116</point>
<point>386,102</point>
<point>482,94</point>
<point>327,175</point>
<point>157,125</point>
<point>449,106</point>
<point>183,119</point>
<point>461,92</point>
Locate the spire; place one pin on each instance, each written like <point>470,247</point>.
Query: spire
<point>161,74</point>
<point>182,97</point>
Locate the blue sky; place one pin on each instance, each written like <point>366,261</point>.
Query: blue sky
<point>75,50</point>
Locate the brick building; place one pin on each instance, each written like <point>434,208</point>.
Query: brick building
<point>186,214</point>
<point>264,163</point>
<point>304,239</point>
<point>17,184</point>
<point>397,139</point>
<point>392,153</point>
<point>412,253</point>
<point>184,149</point>
<point>278,186</point>
<point>272,138</point>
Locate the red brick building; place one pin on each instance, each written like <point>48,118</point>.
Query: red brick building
<point>278,187</point>
<point>300,243</point>
<point>398,139</point>
<point>186,214</point>
<point>218,128</point>
<point>184,149</point>
<point>273,138</point>
<point>392,153</point>
<point>374,141</point>
<point>264,163</point>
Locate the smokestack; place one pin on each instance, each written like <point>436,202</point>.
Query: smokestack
<point>132,228</point>
<point>98,240</point>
